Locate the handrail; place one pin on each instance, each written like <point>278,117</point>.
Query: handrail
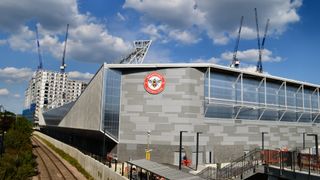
<point>241,165</point>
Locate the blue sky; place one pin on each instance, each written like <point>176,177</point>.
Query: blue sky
<point>181,30</point>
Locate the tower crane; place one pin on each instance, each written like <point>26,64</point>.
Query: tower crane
<point>63,65</point>
<point>260,46</point>
<point>235,61</point>
<point>39,51</point>
<point>259,65</point>
<point>258,38</point>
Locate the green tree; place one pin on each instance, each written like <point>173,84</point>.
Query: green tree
<point>18,162</point>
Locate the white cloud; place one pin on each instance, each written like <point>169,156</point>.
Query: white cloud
<point>3,42</point>
<point>4,92</point>
<point>121,17</point>
<point>251,69</point>
<point>88,41</point>
<point>158,56</point>
<point>175,13</point>
<point>21,39</point>
<point>12,74</point>
<point>212,60</point>
<point>219,19</point>
<point>17,95</point>
<point>251,55</point>
<point>153,31</point>
<point>165,34</point>
<point>76,75</point>
<point>183,36</point>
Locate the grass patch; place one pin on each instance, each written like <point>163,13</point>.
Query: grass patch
<point>67,157</point>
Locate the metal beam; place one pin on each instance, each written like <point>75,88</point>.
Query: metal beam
<point>259,86</point>
<point>236,116</point>
<point>282,115</point>
<point>285,95</point>
<point>318,99</point>
<point>318,114</point>
<point>313,93</point>
<point>209,84</point>
<point>265,92</point>
<point>241,78</point>
<point>302,90</point>
<point>300,116</point>
<point>264,110</point>
<point>283,83</point>
<point>234,85</point>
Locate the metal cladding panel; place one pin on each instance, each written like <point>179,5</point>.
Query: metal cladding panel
<point>86,112</point>
<point>55,116</point>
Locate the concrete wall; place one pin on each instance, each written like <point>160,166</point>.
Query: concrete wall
<point>95,168</point>
<point>86,112</point>
<point>180,107</point>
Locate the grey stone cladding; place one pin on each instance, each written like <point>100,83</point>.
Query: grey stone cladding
<point>180,107</point>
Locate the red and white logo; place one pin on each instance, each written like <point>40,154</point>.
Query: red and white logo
<point>154,83</point>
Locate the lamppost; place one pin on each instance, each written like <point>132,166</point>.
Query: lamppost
<point>180,149</point>
<point>197,149</point>
<point>148,150</point>
<point>316,143</point>
<point>262,140</point>
<point>262,145</point>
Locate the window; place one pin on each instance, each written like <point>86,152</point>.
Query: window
<point>247,97</point>
<point>112,102</point>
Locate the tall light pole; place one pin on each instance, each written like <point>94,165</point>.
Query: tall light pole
<point>316,143</point>
<point>148,150</point>
<point>197,149</point>
<point>262,140</point>
<point>180,149</point>
<point>262,146</point>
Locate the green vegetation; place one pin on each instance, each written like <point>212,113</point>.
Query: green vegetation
<point>17,161</point>
<point>67,157</point>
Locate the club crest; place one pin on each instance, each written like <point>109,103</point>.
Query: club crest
<point>154,83</point>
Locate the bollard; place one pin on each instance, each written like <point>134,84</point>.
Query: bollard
<point>115,165</point>
<point>122,169</point>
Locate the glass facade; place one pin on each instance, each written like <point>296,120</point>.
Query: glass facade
<point>112,86</point>
<point>232,95</point>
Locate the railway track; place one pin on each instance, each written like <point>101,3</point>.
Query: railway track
<point>49,165</point>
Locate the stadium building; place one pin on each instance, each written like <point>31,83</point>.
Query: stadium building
<point>127,108</point>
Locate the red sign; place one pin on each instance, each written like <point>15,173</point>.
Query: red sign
<point>154,83</point>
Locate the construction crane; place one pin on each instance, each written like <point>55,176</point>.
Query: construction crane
<point>260,46</point>
<point>259,65</point>
<point>259,69</point>
<point>138,55</point>
<point>39,52</point>
<point>235,61</point>
<point>63,65</point>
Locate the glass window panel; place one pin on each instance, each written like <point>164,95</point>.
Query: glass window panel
<point>226,99</point>
<point>112,102</point>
